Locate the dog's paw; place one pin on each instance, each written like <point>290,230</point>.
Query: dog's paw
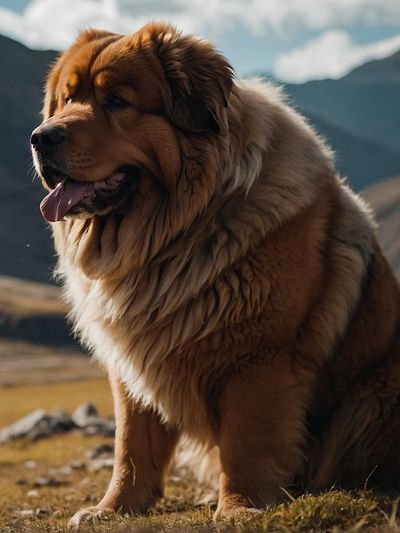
<point>90,514</point>
<point>226,514</point>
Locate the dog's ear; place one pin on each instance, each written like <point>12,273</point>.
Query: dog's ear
<point>85,37</point>
<point>199,80</point>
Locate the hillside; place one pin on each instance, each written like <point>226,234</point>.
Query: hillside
<point>351,150</point>
<point>359,115</point>
<point>32,312</point>
<point>384,197</point>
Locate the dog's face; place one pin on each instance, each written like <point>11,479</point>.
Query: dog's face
<point>115,110</point>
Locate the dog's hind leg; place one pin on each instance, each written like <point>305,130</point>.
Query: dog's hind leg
<point>361,445</point>
<point>143,450</point>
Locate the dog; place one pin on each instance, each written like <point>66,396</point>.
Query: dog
<point>219,268</point>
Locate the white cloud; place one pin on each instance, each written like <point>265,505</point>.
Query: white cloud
<point>290,15</point>
<point>53,23</point>
<point>331,55</point>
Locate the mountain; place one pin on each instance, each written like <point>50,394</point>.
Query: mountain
<point>359,115</point>
<point>361,160</point>
<point>23,233</point>
<point>362,108</point>
<point>366,102</point>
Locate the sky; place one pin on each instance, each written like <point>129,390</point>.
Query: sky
<point>293,40</point>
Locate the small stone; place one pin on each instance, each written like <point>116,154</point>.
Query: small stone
<point>40,513</point>
<point>63,470</point>
<point>100,450</point>
<point>77,465</point>
<point>30,464</point>
<point>24,513</point>
<point>84,415</point>
<point>33,494</point>
<point>101,426</point>
<point>100,464</point>
<point>48,482</point>
<point>60,421</point>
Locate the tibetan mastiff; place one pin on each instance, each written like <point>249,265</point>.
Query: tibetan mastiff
<point>219,268</point>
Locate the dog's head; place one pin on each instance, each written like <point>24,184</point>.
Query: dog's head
<point>115,112</point>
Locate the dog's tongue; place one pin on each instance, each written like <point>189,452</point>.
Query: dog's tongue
<point>63,198</point>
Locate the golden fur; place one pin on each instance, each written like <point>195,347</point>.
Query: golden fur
<point>239,296</point>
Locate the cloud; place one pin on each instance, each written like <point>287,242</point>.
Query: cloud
<point>331,55</point>
<point>292,15</point>
<point>53,23</point>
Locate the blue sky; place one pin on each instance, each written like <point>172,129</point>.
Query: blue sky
<point>295,40</point>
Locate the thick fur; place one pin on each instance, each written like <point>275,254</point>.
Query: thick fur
<point>240,296</point>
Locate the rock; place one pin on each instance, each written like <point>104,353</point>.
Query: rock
<point>100,450</point>
<point>65,470</point>
<point>37,425</point>
<point>101,426</point>
<point>30,464</point>
<point>23,427</point>
<point>33,494</point>
<point>99,464</point>
<point>48,482</point>
<point>85,415</point>
<point>77,465</point>
<point>24,513</point>
<point>60,420</point>
<point>40,513</point>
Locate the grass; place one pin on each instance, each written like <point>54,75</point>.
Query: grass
<point>21,463</point>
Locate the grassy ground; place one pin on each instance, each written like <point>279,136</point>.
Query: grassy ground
<point>26,507</point>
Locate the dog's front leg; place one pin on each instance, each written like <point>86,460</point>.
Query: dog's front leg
<point>261,433</point>
<point>143,449</point>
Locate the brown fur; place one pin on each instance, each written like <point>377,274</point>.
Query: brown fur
<point>240,296</point>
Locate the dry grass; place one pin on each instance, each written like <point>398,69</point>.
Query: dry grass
<point>333,511</point>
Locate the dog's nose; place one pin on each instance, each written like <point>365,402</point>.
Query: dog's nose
<point>47,137</point>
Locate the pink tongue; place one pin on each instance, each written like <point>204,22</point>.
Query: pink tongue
<point>63,198</point>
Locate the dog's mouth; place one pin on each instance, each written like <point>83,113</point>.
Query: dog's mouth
<point>71,197</point>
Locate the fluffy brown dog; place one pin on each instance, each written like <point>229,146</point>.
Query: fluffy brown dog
<point>216,265</point>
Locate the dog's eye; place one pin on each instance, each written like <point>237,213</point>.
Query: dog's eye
<point>67,100</point>
<point>115,102</point>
